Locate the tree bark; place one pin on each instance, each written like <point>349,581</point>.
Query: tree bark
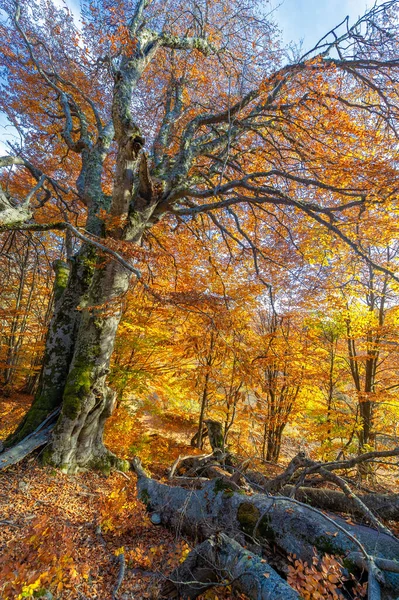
<point>30,443</point>
<point>71,285</point>
<point>204,404</point>
<point>215,434</point>
<point>223,558</point>
<point>385,506</point>
<point>77,441</point>
<point>271,520</point>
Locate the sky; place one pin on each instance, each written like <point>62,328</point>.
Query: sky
<point>303,21</point>
<point>309,20</point>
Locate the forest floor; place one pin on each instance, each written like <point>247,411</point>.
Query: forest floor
<point>62,533</point>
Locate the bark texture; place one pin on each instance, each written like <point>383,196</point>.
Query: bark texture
<point>77,441</point>
<point>72,282</point>
<point>386,506</point>
<point>35,440</point>
<point>222,558</point>
<point>271,520</point>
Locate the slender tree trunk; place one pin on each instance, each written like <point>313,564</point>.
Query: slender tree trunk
<point>366,414</point>
<point>32,381</point>
<point>13,337</point>
<point>205,394</point>
<point>277,442</point>
<point>204,405</point>
<point>14,363</point>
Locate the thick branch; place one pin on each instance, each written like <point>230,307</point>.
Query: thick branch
<point>85,238</point>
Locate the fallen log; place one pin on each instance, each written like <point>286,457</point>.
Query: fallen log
<point>369,505</point>
<point>267,520</point>
<point>222,558</point>
<point>39,437</point>
<point>17,453</point>
<point>385,506</point>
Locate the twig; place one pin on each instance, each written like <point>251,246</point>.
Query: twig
<point>274,485</point>
<point>9,523</point>
<point>382,563</point>
<point>123,474</point>
<point>174,467</point>
<point>356,500</point>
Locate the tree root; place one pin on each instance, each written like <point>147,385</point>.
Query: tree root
<point>121,574</point>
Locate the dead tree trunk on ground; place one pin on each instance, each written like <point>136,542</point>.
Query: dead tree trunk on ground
<point>269,522</point>
<point>222,558</point>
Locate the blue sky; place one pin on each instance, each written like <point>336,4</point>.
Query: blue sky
<point>299,20</point>
<point>309,20</point>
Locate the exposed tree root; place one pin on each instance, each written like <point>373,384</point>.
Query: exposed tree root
<point>121,574</point>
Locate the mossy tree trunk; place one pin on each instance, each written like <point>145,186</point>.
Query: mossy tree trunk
<point>71,285</point>
<point>87,401</point>
<point>215,434</point>
<point>88,310</point>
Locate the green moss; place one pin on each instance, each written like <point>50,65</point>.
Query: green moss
<point>43,594</point>
<point>61,277</point>
<point>219,441</point>
<point>107,463</point>
<point>145,498</point>
<point>227,489</point>
<point>98,323</point>
<point>223,486</point>
<point>77,387</point>
<point>326,544</point>
<point>248,516</point>
<point>46,456</point>
<point>101,464</point>
<point>349,565</point>
<point>264,530</point>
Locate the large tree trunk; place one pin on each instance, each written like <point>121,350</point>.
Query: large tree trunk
<point>82,333</point>
<point>77,441</point>
<point>71,285</point>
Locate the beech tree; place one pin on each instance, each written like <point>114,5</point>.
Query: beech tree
<point>146,112</point>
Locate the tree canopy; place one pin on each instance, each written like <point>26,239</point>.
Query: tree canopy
<point>142,124</point>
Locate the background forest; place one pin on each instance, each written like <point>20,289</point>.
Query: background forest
<point>312,358</point>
